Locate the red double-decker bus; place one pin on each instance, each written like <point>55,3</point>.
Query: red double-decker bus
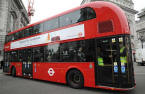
<point>88,46</point>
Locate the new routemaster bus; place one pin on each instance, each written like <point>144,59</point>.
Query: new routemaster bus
<point>79,47</point>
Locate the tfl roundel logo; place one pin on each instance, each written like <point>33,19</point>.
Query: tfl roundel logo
<point>51,71</point>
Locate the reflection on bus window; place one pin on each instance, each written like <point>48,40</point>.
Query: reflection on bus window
<point>77,16</point>
<point>81,55</point>
<point>78,51</point>
<point>52,53</point>
<point>38,54</point>
<point>51,24</point>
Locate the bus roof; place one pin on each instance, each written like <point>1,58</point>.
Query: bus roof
<point>96,4</point>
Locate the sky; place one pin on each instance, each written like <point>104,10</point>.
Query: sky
<point>48,8</point>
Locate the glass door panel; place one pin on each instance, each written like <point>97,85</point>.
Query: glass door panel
<point>107,61</point>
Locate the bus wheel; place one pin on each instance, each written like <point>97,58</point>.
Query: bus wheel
<point>75,79</point>
<point>13,71</point>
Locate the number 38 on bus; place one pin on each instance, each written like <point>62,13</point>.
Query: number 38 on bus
<point>88,46</point>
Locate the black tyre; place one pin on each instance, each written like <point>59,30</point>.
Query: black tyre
<point>75,79</point>
<point>13,72</point>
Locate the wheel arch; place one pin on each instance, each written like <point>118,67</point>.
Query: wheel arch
<point>73,68</point>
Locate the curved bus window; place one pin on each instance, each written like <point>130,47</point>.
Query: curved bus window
<point>77,16</point>
<point>21,34</point>
<point>86,14</point>
<point>90,13</point>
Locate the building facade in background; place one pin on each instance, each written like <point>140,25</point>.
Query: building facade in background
<point>140,29</point>
<point>128,7</point>
<point>13,15</point>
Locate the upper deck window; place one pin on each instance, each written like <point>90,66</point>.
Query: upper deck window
<point>26,32</point>
<point>105,26</point>
<point>80,15</point>
<point>90,13</point>
<point>21,34</point>
<point>37,29</point>
<point>51,24</point>
<point>77,16</point>
<point>86,14</point>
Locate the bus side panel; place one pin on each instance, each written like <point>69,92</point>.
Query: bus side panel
<point>18,66</point>
<point>56,72</point>
<point>90,29</point>
<point>87,70</point>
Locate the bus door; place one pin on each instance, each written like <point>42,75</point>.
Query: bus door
<point>107,61</point>
<point>27,63</point>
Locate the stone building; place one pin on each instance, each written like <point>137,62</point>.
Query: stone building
<point>140,29</point>
<point>13,15</point>
<point>128,7</point>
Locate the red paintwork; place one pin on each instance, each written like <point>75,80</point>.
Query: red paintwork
<point>61,70</point>
<point>7,47</point>
<point>104,11</point>
<point>113,88</point>
<point>18,66</point>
